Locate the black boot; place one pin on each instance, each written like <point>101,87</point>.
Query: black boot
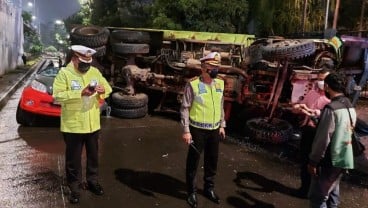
<point>192,200</point>
<point>95,188</point>
<point>74,192</point>
<point>74,197</point>
<point>211,195</point>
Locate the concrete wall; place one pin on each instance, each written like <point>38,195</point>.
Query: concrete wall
<point>11,35</point>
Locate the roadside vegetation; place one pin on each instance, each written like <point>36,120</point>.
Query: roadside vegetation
<point>259,17</point>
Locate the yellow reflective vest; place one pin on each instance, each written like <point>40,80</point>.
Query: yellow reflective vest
<point>205,112</point>
<point>79,114</point>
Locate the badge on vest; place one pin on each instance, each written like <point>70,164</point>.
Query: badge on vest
<point>201,88</point>
<point>75,85</point>
<point>218,87</point>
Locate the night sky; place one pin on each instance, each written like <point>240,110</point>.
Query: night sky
<point>51,10</point>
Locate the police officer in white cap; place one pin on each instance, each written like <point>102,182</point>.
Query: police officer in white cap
<point>80,88</point>
<point>202,117</point>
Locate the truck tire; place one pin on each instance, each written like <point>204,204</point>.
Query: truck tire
<point>129,36</point>
<point>130,48</point>
<point>90,36</point>
<point>24,118</point>
<point>325,58</point>
<point>130,113</point>
<point>277,131</point>
<point>288,50</point>
<point>120,100</point>
<point>100,51</point>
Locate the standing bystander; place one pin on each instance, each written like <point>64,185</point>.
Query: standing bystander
<point>310,107</point>
<point>24,59</point>
<point>60,62</point>
<point>332,152</point>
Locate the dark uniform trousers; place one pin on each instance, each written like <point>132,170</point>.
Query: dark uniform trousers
<point>73,157</point>
<point>308,133</point>
<point>207,140</point>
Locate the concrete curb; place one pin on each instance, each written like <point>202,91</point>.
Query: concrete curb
<point>7,94</point>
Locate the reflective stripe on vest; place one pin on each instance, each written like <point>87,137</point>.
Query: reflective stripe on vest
<point>205,112</point>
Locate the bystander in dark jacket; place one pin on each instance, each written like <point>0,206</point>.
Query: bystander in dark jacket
<point>332,153</point>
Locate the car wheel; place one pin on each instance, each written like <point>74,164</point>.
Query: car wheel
<point>129,113</point>
<point>288,50</point>
<point>275,131</point>
<point>123,101</point>
<point>24,118</point>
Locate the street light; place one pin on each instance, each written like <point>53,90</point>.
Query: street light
<point>30,4</point>
<point>59,22</point>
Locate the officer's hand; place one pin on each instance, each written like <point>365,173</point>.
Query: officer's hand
<point>87,92</point>
<point>222,133</point>
<point>100,89</point>
<point>187,137</point>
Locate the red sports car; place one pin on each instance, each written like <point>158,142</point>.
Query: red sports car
<point>37,100</point>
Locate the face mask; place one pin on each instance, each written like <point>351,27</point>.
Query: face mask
<point>321,84</point>
<point>213,73</point>
<point>83,67</point>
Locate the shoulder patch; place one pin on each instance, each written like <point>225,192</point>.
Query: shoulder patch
<point>220,78</point>
<point>193,78</point>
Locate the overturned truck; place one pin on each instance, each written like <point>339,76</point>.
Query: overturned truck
<point>148,70</point>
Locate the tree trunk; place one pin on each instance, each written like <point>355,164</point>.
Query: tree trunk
<point>304,15</point>
<point>326,14</point>
<point>336,14</point>
<point>361,19</point>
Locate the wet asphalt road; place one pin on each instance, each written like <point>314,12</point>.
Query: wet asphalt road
<point>142,164</point>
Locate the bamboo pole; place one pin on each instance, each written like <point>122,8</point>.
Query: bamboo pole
<point>361,18</point>
<point>336,14</point>
<point>326,14</point>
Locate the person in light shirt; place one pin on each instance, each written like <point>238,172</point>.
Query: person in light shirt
<point>311,106</point>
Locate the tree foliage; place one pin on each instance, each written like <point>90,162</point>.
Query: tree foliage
<point>105,12</point>
<point>260,17</point>
<point>135,13</point>
<point>200,15</point>
<point>50,49</point>
<point>32,42</point>
<point>82,17</point>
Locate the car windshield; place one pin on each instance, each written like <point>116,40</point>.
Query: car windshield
<point>49,71</point>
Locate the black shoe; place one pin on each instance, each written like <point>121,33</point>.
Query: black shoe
<point>302,193</point>
<point>96,188</point>
<point>211,195</point>
<point>74,197</point>
<point>192,200</point>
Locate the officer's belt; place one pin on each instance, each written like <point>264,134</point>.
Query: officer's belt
<point>204,125</point>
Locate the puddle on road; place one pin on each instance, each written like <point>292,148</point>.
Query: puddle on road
<point>30,167</point>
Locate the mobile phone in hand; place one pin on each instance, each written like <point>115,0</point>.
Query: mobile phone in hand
<point>92,86</point>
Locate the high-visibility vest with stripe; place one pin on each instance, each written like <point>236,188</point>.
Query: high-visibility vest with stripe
<point>205,112</point>
<point>79,114</point>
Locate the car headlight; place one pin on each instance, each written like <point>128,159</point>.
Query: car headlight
<point>36,85</point>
